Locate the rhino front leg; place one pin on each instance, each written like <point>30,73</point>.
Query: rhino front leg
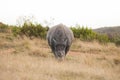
<point>67,49</point>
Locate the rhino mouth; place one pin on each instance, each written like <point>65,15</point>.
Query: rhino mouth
<point>60,54</point>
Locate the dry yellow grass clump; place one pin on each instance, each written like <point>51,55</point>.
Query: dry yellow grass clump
<point>25,59</point>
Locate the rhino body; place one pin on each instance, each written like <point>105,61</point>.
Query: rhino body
<point>60,39</point>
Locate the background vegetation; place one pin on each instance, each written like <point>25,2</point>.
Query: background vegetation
<point>86,34</point>
<point>113,33</point>
<point>32,30</point>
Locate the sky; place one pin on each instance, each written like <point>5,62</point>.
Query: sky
<point>90,13</point>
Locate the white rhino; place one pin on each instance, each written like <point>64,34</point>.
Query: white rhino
<point>60,39</point>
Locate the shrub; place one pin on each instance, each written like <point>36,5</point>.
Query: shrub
<point>102,38</point>
<point>84,34</point>
<point>16,30</point>
<point>30,30</point>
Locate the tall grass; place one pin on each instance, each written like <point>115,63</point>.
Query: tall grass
<point>26,59</point>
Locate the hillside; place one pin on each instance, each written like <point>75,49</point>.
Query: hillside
<point>113,31</point>
<point>26,59</point>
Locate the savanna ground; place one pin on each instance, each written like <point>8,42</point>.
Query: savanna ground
<point>25,59</point>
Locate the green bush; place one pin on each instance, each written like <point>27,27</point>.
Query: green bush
<point>102,38</point>
<point>30,30</point>
<point>16,30</point>
<point>86,34</point>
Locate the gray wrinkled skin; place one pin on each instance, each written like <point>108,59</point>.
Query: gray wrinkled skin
<point>60,39</point>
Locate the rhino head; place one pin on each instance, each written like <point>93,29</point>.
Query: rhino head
<point>59,48</point>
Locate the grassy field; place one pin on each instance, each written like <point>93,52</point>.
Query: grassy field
<point>25,59</point>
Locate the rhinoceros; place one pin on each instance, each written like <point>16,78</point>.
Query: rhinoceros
<point>60,39</point>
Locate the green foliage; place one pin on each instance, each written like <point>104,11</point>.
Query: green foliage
<point>16,30</point>
<point>102,38</point>
<point>114,38</point>
<point>30,30</point>
<point>113,33</point>
<point>37,30</point>
<point>85,34</point>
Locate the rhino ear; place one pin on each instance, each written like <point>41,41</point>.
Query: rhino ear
<point>54,40</point>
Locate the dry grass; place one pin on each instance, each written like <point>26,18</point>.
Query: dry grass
<point>25,59</point>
